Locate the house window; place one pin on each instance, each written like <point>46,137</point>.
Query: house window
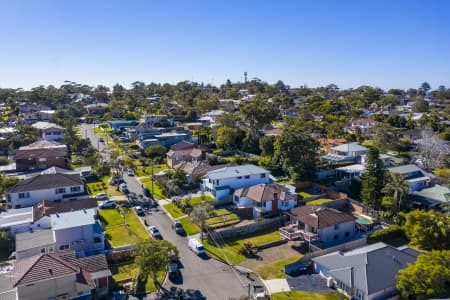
<point>347,234</point>
<point>24,195</point>
<point>75,189</point>
<point>42,159</point>
<point>64,247</point>
<point>336,236</point>
<point>97,239</point>
<point>50,249</point>
<point>275,195</point>
<point>246,176</point>
<point>263,204</point>
<point>336,227</point>
<point>239,177</point>
<point>42,250</point>
<point>60,190</point>
<point>263,175</point>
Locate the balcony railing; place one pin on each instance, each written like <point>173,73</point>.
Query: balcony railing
<point>292,232</point>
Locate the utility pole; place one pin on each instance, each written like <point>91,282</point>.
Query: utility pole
<point>153,195</point>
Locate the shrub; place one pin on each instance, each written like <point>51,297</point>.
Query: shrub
<point>386,235</point>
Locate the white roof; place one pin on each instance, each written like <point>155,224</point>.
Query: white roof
<point>73,219</point>
<point>45,125</point>
<point>349,148</point>
<point>234,171</point>
<point>16,216</point>
<point>356,168</point>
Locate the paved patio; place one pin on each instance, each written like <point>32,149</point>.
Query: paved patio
<point>313,283</point>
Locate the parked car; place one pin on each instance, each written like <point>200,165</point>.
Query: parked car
<point>130,172</point>
<point>178,227</point>
<point>108,204</point>
<point>101,196</point>
<point>196,246</point>
<point>139,211</point>
<point>123,188</point>
<point>147,192</point>
<point>173,270</point>
<point>155,232</point>
<point>116,180</point>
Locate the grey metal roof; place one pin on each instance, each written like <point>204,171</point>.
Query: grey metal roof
<point>349,148</point>
<point>435,193</point>
<point>235,171</point>
<point>28,240</point>
<point>46,181</point>
<point>16,216</point>
<point>405,169</point>
<point>73,219</point>
<point>373,267</point>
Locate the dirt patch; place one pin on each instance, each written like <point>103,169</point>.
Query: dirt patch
<point>273,254</point>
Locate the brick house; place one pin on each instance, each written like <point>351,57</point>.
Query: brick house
<point>41,155</point>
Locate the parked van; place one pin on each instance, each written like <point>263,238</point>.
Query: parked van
<point>196,246</point>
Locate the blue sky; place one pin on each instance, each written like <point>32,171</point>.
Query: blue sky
<point>383,43</point>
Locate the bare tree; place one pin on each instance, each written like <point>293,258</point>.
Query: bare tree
<point>434,152</point>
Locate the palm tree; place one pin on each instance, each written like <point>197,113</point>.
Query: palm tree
<point>396,187</point>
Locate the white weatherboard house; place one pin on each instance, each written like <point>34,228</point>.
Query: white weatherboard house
<point>76,230</point>
<point>49,131</point>
<point>223,182</point>
<point>365,273</point>
<point>52,187</point>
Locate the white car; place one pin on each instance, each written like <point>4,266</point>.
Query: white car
<point>123,188</point>
<point>108,204</point>
<point>130,172</point>
<point>155,232</point>
<point>101,196</point>
<point>139,211</point>
<point>196,246</point>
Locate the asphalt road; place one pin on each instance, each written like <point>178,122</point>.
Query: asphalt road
<point>202,278</point>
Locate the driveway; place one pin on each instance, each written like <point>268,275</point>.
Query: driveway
<point>201,278</point>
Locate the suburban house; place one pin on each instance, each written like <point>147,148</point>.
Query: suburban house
<point>196,169</point>
<point>117,125</point>
<point>49,131</point>
<point>41,155</point>
<point>185,151</point>
<point>417,178</point>
<point>166,139</point>
<point>61,276</point>
<point>319,224</point>
<point>346,153</point>
<point>210,118</point>
<point>38,216</point>
<point>365,273</point>
<point>431,197</point>
<point>363,124</point>
<point>262,200</point>
<point>78,230</point>
<point>96,108</point>
<point>223,182</point>
<point>152,119</point>
<point>52,187</point>
<point>327,143</point>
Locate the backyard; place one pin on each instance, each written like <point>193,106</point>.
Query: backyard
<point>318,201</point>
<point>119,233</point>
<point>230,252</point>
<point>128,271</point>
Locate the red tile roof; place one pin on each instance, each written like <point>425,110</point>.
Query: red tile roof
<point>320,216</point>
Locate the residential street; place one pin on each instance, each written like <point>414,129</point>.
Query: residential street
<point>201,278</point>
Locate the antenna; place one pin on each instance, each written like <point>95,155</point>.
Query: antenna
<point>245,77</point>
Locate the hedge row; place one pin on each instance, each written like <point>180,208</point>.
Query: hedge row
<point>385,235</point>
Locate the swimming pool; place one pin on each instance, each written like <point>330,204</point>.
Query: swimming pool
<point>362,220</point>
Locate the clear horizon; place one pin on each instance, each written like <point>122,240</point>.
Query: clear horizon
<point>387,44</point>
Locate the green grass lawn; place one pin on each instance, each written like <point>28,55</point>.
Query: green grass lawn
<point>157,192</point>
<point>102,186</point>
<point>231,250</point>
<point>129,271</point>
<point>173,210</point>
<point>305,195</point>
<point>318,201</point>
<point>197,200</point>
<point>145,171</point>
<point>223,217</point>
<point>275,270</point>
<point>117,232</point>
<point>294,295</point>
<point>189,227</point>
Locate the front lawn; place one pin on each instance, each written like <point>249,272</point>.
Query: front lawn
<point>145,171</point>
<point>156,191</point>
<point>197,200</point>
<point>188,226</point>
<point>102,186</point>
<point>318,201</point>
<point>129,271</point>
<point>223,217</point>
<point>231,249</point>
<point>294,295</point>
<point>173,210</point>
<point>276,269</point>
<point>117,232</point>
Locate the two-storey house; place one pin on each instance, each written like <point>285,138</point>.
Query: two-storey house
<point>319,224</point>
<point>49,131</point>
<point>41,155</point>
<point>262,200</point>
<point>61,276</point>
<point>223,182</point>
<point>52,187</point>
<point>78,230</point>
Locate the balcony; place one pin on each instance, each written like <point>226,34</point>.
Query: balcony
<point>292,232</point>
